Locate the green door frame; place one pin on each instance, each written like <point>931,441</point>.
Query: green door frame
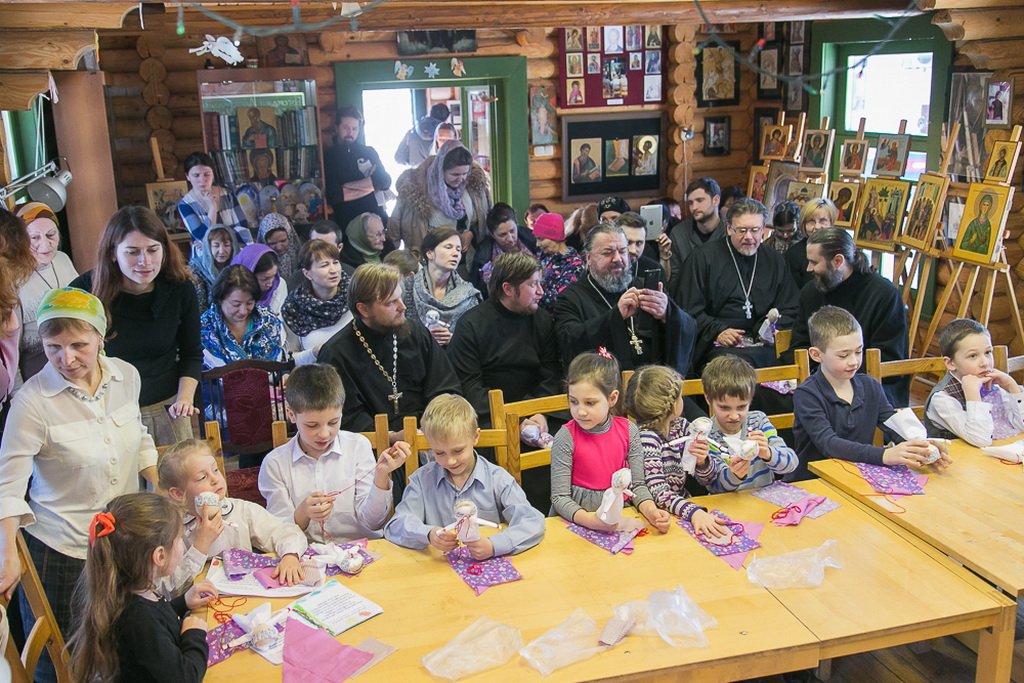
<point>510,179</point>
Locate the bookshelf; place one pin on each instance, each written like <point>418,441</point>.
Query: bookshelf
<point>262,128</point>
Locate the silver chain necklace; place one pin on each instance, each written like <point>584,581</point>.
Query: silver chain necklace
<point>748,308</point>
<point>391,378</point>
<point>634,341</point>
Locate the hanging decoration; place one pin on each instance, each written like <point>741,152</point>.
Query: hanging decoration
<point>402,70</point>
<point>222,47</point>
<point>432,70</point>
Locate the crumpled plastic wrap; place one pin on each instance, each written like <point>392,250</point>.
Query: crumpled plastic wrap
<point>798,569</point>
<point>672,615</point>
<point>574,640</point>
<point>484,645</point>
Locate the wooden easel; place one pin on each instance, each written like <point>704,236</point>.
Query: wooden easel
<point>795,143</point>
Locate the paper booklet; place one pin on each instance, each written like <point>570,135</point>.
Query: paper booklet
<point>248,584</point>
<point>335,608</point>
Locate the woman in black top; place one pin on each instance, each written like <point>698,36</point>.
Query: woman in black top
<point>151,304</point>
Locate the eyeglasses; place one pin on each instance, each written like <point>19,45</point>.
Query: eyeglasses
<point>743,232</point>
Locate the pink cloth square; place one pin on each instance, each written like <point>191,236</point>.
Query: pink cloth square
<point>792,514</point>
<point>899,479</point>
<point>312,655</point>
<point>744,539</point>
<point>612,541</point>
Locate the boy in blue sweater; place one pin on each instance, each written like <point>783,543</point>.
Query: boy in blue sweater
<point>837,409</point>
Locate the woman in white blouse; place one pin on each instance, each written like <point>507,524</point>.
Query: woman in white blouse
<point>74,440</point>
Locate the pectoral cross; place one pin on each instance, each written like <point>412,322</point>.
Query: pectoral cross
<point>394,399</point>
<point>748,308</point>
<point>637,345</point>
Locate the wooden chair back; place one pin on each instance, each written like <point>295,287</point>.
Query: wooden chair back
<point>44,634</point>
<point>212,430</point>
<point>500,412</point>
<point>783,340</point>
<point>489,438</point>
<point>913,367</point>
<point>378,438</point>
<point>247,397</point>
<point>1013,365</point>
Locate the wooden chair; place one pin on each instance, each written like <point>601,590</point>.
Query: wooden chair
<point>783,340</point>
<point>45,633</point>
<point>898,368</point>
<point>511,449</point>
<point>379,440</point>
<point>799,371</point>
<point>242,482</point>
<point>489,438</point>
<point>1013,365</point>
<point>247,398</point>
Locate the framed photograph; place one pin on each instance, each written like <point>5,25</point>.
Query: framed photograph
<point>767,30</point>
<point>636,61</point>
<point>796,31</point>
<point>594,62</point>
<point>283,49</point>
<point>614,82</point>
<point>880,213</point>
<point>757,184</point>
<point>574,65</point>
<point>617,154</point>
<point>575,92</point>
<point>854,156</point>
<point>768,85</point>
<point>763,117</point>
<point>817,150</point>
<point>718,76</point>
<point>593,39</point>
<point>796,60</point>
<point>1000,104</point>
<point>634,38</point>
<point>163,198</point>
<point>652,88</point>
<point>1002,162</point>
<point>774,141</point>
<point>613,40</point>
<point>981,228</point>
<point>795,97</point>
<point>412,43</point>
<point>574,39</point>
<point>652,62</point>
<point>891,157</point>
<point>925,211</point>
<point>543,124</point>
<point>801,192</point>
<point>780,175</point>
<point>844,195</point>
<point>652,37</point>
<point>717,135</point>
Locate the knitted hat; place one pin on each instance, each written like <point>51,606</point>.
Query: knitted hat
<point>33,210</point>
<point>617,204</point>
<point>549,226</point>
<point>71,302</point>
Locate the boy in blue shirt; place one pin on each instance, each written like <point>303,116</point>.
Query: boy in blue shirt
<point>837,409</point>
<point>458,474</point>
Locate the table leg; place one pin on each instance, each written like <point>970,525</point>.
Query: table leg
<point>995,648</point>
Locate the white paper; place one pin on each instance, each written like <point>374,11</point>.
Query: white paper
<point>248,585</point>
<point>336,607</point>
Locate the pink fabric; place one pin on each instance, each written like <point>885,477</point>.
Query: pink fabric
<point>744,539</point>
<point>792,514</point>
<point>312,655</point>
<point>595,457</point>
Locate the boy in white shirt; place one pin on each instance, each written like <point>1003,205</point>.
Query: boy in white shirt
<point>326,480</point>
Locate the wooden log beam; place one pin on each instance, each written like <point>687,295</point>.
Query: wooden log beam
<point>64,15</point>
<point>19,88</point>
<point>50,50</point>
<point>964,4</point>
<point>980,25</point>
<point>993,54</point>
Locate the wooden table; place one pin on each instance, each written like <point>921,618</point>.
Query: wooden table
<point>889,591</point>
<point>973,511</point>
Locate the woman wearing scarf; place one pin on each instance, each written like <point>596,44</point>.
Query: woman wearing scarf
<point>265,265</point>
<point>234,327</point>
<point>503,237</point>
<point>276,232</point>
<point>436,297</point>
<point>447,190</point>
<point>318,308</point>
<point>219,246</point>
<point>364,236</point>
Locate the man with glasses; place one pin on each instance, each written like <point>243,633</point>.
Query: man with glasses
<point>730,285</point>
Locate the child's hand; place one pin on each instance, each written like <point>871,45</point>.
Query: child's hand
<point>657,517</point>
<point>191,621</point>
<point>757,436</point>
<point>972,385</point>
<point>289,570</point>
<point>201,594</point>
<point>944,460</point>
<point>390,460</point>
<point>707,524</point>
<point>699,449</point>
<point>209,528</point>
<point>481,550</point>
<point>1000,378</point>
<point>739,466</point>
<point>590,520</point>
<point>317,506</point>
<point>443,539</point>
<point>913,453</point>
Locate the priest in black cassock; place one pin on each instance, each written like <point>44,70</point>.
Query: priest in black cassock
<point>843,278</point>
<point>355,176</point>
<point>730,285</point>
<point>611,307</point>
<point>386,365</point>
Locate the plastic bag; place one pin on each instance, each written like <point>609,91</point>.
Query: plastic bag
<point>798,569</point>
<point>484,645</point>
<point>673,615</point>
<point>574,640</point>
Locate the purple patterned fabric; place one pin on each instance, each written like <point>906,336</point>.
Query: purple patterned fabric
<point>891,480</point>
<point>482,574</point>
<point>238,562</point>
<point>333,570</point>
<point>744,539</point>
<point>218,638</point>
<point>1002,428</point>
<point>612,541</point>
<point>782,494</point>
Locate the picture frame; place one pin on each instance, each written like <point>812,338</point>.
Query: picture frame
<point>574,65</point>
<point>574,39</point>
<point>1000,104</point>
<point>767,30</point>
<point>925,211</point>
<point>435,42</point>
<point>593,39</point>
<point>844,195</point>
<point>775,140</point>
<point>652,37</point>
<point>1002,162</point>
<point>883,202</point>
<point>596,175</point>
<point>891,155</point>
<point>163,198</point>
<point>816,151</point>
<point>763,116</point>
<point>717,135</point>
<point>757,183</point>
<point>853,157</point>
<point>981,230</point>
<point>718,76</point>
<point>780,175</point>
<point>802,192</point>
<point>543,119</point>
<point>797,31</point>
<point>796,97</point>
<point>795,60</point>
<point>769,87</point>
<point>634,38</point>
<point>614,40</point>
<point>283,49</point>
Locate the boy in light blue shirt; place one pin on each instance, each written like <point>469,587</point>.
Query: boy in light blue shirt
<point>458,474</point>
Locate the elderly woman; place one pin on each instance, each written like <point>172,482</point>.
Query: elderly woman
<point>503,237</point>
<point>207,204</point>
<point>562,265</point>
<point>219,246</point>
<point>16,266</point>
<point>276,232</point>
<point>145,286</point>
<point>234,327</point>
<point>318,308</point>
<point>366,241</point>
<point>53,270</point>
<point>437,297</point>
<point>815,214</point>
<point>447,190</point>
<point>75,439</point>
<point>263,262</point>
